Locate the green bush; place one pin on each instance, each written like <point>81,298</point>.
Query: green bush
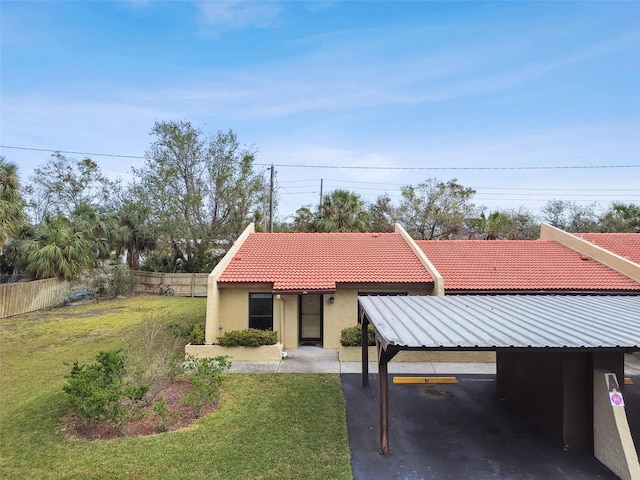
<point>95,391</point>
<point>350,336</point>
<point>108,280</point>
<point>205,374</point>
<point>193,334</point>
<point>248,338</point>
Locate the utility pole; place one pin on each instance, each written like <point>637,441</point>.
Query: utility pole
<point>320,204</point>
<point>271,201</point>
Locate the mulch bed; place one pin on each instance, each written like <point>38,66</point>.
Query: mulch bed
<point>146,422</point>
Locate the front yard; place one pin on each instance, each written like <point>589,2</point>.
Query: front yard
<point>268,426</point>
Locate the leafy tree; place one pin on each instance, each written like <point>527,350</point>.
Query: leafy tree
<point>98,227</point>
<point>133,234</point>
<point>434,209</point>
<point>12,213</point>
<point>621,217</point>
<point>304,221</point>
<point>570,216</point>
<point>12,259</point>
<point>382,213</point>
<point>58,250</point>
<point>63,185</point>
<point>202,190</point>
<point>518,224</point>
<point>342,211</point>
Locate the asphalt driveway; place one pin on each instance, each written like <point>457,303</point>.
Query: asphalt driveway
<point>461,431</point>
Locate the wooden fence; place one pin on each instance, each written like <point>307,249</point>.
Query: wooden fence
<point>24,297</point>
<point>183,284</point>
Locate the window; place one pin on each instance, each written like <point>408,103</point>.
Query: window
<point>261,311</point>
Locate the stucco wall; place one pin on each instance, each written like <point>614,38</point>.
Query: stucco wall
<point>234,311</point>
<point>344,311</point>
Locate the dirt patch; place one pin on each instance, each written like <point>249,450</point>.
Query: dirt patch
<point>146,421</point>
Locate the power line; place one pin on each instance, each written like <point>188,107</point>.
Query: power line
<point>73,153</point>
<point>554,167</point>
<point>353,167</point>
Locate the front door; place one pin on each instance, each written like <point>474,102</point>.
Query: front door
<point>311,319</point>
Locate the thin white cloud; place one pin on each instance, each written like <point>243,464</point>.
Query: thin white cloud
<point>340,79</point>
<point>222,16</point>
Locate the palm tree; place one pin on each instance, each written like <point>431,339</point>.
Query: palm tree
<point>59,250</point>
<point>133,235</point>
<point>621,217</point>
<point>12,213</point>
<point>343,211</point>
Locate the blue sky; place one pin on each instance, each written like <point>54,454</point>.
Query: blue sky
<point>414,90</point>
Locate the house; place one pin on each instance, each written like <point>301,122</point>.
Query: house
<point>522,267</point>
<point>305,285</point>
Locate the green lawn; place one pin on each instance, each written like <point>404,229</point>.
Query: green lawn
<point>268,426</point>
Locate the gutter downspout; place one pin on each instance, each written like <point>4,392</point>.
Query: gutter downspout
<point>438,281</point>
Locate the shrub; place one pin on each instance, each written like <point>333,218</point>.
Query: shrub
<point>350,336</point>
<point>108,280</point>
<point>95,391</point>
<point>248,338</point>
<point>164,415</point>
<point>205,374</point>
<point>193,334</point>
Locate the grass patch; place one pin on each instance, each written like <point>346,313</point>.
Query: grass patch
<point>268,426</point>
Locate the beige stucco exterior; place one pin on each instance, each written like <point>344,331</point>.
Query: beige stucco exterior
<point>612,441</point>
<point>228,308</point>
<point>343,312</point>
<point>233,303</point>
<point>266,353</point>
<point>212,323</point>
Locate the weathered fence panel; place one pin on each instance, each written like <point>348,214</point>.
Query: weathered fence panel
<point>183,284</point>
<point>24,297</point>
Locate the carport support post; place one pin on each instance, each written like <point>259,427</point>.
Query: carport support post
<point>364,345</point>
<point>384,356</point>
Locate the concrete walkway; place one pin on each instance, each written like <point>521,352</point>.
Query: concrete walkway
<point>320,360</point>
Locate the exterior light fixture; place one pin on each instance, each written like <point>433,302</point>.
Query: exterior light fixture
<point>332,299</point>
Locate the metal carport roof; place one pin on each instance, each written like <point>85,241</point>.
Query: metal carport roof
<point>490,323</point>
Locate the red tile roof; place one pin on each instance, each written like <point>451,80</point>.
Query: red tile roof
<point>517,265</point>
<point>624,244</point>
<point>317,261</point>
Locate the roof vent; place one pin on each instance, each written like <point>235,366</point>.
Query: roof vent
<point>584,257</point>
<point>237,258</point>
<point>375,235</point>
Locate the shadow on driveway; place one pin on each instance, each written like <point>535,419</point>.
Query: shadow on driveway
<point>461,431</point>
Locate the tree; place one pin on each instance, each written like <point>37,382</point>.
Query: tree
<point>382,213</point>
<point>304,221</point>
<point>12,213</point>
<point>58,250</point>
<point>621,217</point>
<point>435,209</point>
<point>98,227</point>
<point>518,224</point>
<point>202,190</point>
<point>133,234</point>
<point>570,216</point>
<point>342,211</point>
<point>63,184</point>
